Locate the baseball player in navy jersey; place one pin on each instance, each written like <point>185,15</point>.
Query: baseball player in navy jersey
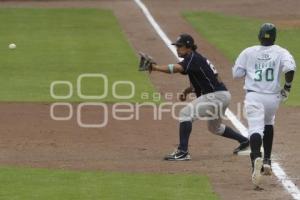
<point>262,66</point>
<point>212,97</point>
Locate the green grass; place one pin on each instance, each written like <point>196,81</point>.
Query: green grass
<point>232,34</point>
<point>37,184</point>
<point>61,44</point>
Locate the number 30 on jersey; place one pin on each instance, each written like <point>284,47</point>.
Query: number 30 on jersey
<point>264,75</point>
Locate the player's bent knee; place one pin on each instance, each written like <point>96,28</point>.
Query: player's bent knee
<point>216,129</point>
<point>270,121</point>
<point>253,131</point>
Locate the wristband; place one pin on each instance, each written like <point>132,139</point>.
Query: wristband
<point>287,86</point>
<point>171,68</point>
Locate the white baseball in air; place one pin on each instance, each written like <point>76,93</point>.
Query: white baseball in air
<point>12,46</point>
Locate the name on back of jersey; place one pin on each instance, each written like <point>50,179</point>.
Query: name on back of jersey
<point>264,65</point>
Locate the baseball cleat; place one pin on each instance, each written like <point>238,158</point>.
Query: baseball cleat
<point>256,174</point>
<point>242,147</point>
<point>178,155</point>
<point>267,169</point>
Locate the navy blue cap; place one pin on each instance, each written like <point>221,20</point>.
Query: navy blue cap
<point>184,40</point>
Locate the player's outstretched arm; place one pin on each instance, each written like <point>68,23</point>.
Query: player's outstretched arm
<point>169,69</point>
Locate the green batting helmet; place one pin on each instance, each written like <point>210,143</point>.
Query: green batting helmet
<point>267,34</point>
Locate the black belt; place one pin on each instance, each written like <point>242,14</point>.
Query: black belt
<point>250,91</point>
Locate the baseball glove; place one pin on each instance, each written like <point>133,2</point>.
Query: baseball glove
<point>146,62</point>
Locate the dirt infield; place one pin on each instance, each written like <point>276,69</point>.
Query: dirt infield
<point>29,137</point>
